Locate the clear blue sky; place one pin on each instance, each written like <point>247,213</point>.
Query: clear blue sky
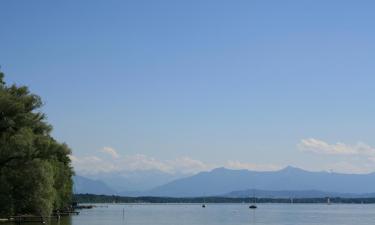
<point>211,80</point>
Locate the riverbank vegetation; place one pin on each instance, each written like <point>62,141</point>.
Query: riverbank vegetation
<point>35,170</point>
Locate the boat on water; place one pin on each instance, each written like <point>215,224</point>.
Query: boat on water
<point>204,202</point>
<point>253,206</point>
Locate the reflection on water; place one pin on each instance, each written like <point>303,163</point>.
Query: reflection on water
<point>253,216</point>
<point>66,220</point>
<point>222,214</point>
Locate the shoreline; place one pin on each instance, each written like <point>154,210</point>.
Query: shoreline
<point>97,199</point>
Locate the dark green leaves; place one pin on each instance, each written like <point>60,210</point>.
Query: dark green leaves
<point>35,170</point>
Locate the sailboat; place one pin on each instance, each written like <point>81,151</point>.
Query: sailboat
<point>204,202</point>
<point>253,206</point>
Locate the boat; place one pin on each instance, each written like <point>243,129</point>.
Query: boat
<point>204,203</point>
<point>253,206</point>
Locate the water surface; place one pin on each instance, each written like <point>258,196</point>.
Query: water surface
<point>223,214</point>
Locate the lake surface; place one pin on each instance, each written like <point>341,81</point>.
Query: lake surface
<point>223,214</point>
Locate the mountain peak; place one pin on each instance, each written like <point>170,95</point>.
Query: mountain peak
<point>220,170</point>
<point>291,169</point>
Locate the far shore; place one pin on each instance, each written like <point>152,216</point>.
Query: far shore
<point>91,198</point>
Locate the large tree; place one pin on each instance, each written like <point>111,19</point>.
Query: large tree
<point>35,170</point>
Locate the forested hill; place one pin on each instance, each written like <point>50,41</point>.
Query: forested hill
<point>35,170</point>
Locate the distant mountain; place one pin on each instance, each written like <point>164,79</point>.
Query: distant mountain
<point>222,181</point>
<point>83,185</point>
<point>132,183</point>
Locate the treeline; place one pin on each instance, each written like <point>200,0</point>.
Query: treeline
<point>35,170</point>
<point>91,198</point>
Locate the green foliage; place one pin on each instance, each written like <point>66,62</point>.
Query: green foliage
<point>35,170</point>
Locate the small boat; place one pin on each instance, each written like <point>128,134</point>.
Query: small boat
<point>253,206</point>
<point>204,202</point>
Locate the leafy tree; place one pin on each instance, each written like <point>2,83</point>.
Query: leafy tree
<point>35,170</point>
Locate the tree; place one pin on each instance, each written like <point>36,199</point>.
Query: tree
<point>35,170</point>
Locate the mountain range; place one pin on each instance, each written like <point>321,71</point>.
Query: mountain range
<point>86,185</point>
<point>125,183</point>
<point>288,182</point>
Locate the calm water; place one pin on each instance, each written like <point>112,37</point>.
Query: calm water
<point>224,214</point>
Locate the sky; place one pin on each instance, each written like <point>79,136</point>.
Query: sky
<point>186,86</point>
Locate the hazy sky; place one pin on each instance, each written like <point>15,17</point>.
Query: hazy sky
<point>191,85</point>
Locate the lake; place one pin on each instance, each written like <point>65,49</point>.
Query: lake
<point>223,214</point>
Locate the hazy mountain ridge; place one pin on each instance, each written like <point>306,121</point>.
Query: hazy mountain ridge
<point>127,183</point>
<point>289,182</point>
<point>135,181</point>
<point>83,185</point>
<point>222,181</point>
